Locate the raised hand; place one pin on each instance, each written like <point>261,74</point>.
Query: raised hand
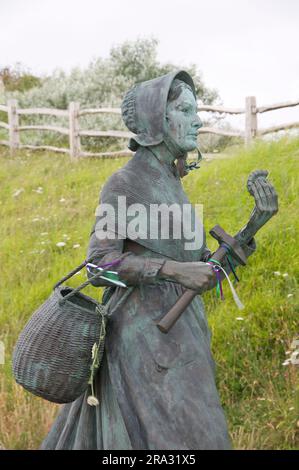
<point>266,204</point>
<point>265,196</point>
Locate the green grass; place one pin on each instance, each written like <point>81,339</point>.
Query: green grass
<point>257,391</point>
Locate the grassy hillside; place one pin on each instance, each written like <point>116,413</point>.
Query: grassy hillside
<point>46,200</point>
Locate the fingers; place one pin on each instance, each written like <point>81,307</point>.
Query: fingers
<point>263,192</point>
<point>259,195</point>
<point>266,189</point>
<point>211,278</point>
<point>206,279</point>
<point>254,175</point>
<point>272,198</point>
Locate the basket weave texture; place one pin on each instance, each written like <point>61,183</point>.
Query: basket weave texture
<point>53,354</point>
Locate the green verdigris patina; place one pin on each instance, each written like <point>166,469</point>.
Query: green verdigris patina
<point>155,391</point>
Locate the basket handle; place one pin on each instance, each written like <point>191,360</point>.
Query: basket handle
<point>74,271</point>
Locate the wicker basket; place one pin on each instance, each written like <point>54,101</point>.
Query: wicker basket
<point>53,355</point>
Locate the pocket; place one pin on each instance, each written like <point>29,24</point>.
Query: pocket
<point>174,349</point>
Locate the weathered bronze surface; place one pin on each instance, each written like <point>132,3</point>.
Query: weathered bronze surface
<point>156,391</point>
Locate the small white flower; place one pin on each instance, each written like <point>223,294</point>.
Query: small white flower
<point>292,408</point>
<point>92,400</point>
<point>289,295</point>
<point>287,362</point>
<point>277,273</point>
<point>39,190</point>
<point>62,199</point>
<point>60,244</point>
<point>18,192</point>
<point>294,355</point>
<point>285,275</point>
<point>93,351</point>
<point>77,245</point>
<point>239,318</point>
<point>295,362</point>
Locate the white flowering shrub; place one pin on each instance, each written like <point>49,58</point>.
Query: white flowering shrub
<point>102,84</point>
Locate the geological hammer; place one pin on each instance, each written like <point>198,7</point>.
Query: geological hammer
<point>226,242</point>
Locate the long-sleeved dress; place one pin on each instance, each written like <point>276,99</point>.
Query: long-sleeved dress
<point>156,391</point>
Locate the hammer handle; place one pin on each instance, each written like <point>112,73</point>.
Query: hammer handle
<point>167,322</point>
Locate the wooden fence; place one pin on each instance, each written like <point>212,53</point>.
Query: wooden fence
<point>74,133</point>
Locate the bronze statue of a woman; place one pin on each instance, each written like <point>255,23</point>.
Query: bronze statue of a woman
<point>155,391</point>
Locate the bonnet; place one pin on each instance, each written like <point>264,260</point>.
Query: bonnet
<point>144,110</point>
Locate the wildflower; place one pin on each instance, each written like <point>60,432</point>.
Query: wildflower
<point>294,359</point>
<point>277,273</point>
<point>92,400</point>
<point>287,362</point>
<point>18,192</point>
<point>77,245</point>
<point>289,295</point>
<point>285,275</point>
<point>39,190</point>
<point>60,244</point>
<point>239,318</point>
<point>62,200</point>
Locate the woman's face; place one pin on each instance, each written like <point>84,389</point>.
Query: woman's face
<point>182,121</point>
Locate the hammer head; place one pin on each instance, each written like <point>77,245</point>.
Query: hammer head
<point>235,248</point>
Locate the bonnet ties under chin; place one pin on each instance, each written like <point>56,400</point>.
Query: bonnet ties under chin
<point>194,165</point>
<point>181,156</point>
<point>184,168</point>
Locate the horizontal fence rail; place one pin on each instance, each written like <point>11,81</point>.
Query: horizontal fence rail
<point>74,133</point>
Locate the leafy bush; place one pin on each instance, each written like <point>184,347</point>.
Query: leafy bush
<point>102,84</point>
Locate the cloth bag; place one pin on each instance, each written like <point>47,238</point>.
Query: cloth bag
<point>62,344</point>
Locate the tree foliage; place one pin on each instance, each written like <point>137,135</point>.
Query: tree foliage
<point>104,81</point>
<point>16,78</point>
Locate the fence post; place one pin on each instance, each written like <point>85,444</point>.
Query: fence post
<point>13,121</point>
<point>250,119</point>
<point>74,137</point>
